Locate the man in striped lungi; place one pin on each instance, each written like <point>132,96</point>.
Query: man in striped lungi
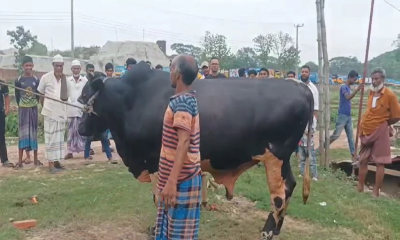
<point>179,173</point>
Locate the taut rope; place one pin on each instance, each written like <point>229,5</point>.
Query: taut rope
<point>88,108</point>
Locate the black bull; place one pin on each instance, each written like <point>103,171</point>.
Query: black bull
<point>242,121</point>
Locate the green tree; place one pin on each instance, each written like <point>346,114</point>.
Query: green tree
<point>284,50</point>
<point>38,49</point>
<point>313,66</point>
<point>343,65</point>
<point>246,57</point>
<point>22,41</point>
<point>189,49</point>
<point>262,46</point>
<point>216,46</point>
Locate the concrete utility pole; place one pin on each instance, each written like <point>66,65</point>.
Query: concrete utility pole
<point>72,29</point>
<point>297,45</point>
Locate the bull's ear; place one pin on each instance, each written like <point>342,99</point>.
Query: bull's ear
<point>97,84</point>
<point>90,76</point>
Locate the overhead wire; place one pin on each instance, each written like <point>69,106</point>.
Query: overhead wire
<point>51,17</point>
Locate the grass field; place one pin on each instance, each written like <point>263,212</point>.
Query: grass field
<point>105,202</point>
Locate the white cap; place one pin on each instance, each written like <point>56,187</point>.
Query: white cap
<point>204,64</point>
<point>75,63</point>
<point>58,59</point>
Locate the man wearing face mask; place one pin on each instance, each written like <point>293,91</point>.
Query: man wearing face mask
<point>305,78</point>
<point>54,85</point>
<point>383,110</point>
<point>76,82</point>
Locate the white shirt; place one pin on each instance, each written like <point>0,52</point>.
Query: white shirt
<point>314,91</point>
<point>50,87</point>
<point>75,90</point>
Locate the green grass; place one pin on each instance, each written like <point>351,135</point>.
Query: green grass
<point>107,197</point>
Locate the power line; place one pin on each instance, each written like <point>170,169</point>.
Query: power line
<point>174,12</point>
<point>112,25</point>
<point>390,4</point>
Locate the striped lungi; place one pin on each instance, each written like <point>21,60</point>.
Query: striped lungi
<point>182,221</point>
<point>27,128</point>
<point>75,142</point>
<point>54,139</point>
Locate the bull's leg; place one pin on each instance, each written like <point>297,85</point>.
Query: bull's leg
<point>276,184</point>
<point>290,186</point>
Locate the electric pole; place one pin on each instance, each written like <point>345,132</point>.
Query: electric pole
<point>72,29</point>
<point>297,46</point>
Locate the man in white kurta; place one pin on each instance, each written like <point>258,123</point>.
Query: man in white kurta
<point>75,142</point>
<point>54,113</point>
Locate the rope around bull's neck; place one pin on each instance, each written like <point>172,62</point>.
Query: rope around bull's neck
<point>41,95</point>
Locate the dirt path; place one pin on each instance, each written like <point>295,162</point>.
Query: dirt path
<point>78,159</point>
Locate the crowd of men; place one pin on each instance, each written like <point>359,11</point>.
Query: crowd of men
<point>179,167</point>
<point>57,116</point>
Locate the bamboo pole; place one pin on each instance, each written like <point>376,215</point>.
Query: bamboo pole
<point>371,14</point>
<point>320,88</point>
<point>326,81</point>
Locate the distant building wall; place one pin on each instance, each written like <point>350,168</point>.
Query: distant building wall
<point>10,75</point>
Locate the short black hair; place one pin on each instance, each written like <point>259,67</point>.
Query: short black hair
<point>159,66</point>
<point>27,59</point>
<point>187,66</point>
<point>352,74</point>
<point>264,69</point>
<point>130,61</point>
<point>212,58</point>
<point>148,62</point>
<point>306,66</point>
<point>291,72</point>
<point>252,71</point>
<point>89,66</point>
<point>109,66</point>
<point>242,72</point>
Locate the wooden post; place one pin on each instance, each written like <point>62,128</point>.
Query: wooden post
<point>326,74</point>
<point>320,88</point>
<point>371,14</point>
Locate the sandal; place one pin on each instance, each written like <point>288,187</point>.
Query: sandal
<point>8,164</point>
<point>112,161</point>
<point>27,161</point>
<point>18,166</point>
<point>58,165</point>
<point>37,163</point>
<point>91,152</point>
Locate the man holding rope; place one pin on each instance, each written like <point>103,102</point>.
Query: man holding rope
<point>383,110</point>
<point>54,85</point>
<point>27,112</point>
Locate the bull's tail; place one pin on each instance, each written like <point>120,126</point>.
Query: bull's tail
<point>306,177</point>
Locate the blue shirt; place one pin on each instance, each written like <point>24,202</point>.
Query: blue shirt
<point>344,104</point>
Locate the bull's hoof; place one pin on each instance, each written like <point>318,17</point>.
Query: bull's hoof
<point>277,232</point>
<point>267,236</point>
<point>228,195</point>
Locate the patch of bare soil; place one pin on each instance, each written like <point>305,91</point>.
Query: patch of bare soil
<point>78,159</point>
<point>340,143</point>
<point>85,231</point>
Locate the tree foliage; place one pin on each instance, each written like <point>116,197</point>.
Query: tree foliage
<point>189,49</point>
<point>263,45</point>
<point>22,40</point>
<point>313,66</point>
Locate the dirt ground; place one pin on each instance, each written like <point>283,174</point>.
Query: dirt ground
<point>78,159</point>
<point>240,208</point>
